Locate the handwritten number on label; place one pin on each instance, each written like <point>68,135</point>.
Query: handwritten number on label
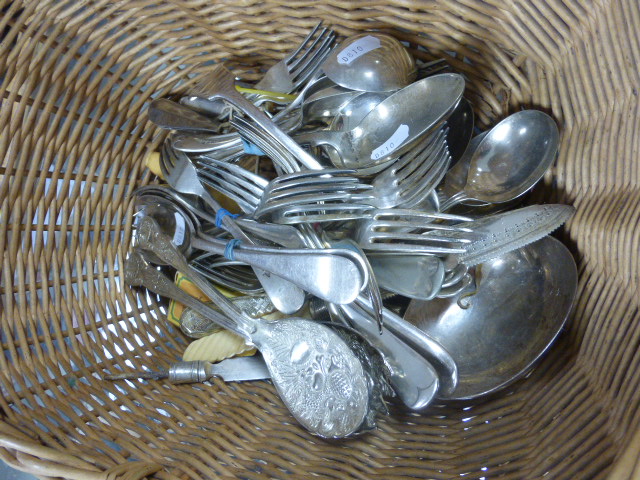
<point>357,49</point>
<point>392,143</point>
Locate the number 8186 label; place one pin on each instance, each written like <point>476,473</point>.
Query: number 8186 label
<point>357,49</point>
<point>392,144</point>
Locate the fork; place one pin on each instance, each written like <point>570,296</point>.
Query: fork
<point>221,83</point>
<point>315,196</point>
<point>285,77</point>
<point>332,194</point>
<point>182,175</point>
<point>239,184</point>
<point>410,180</point>
<point>404,231</point>
<point>231,274</point>
<point>295,69</point>
<point>283,160</point>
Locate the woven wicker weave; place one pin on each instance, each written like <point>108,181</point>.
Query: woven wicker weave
<point>76,78</point>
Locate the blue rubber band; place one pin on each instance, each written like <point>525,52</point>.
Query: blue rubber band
<point>251,149</point>
<point>223,212</point>
<point>228,250</point>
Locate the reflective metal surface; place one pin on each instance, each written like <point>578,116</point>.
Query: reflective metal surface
<point>521,301</point>
<point>371,62</point>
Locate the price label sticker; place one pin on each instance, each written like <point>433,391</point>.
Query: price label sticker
<point>357,49</point>
<point>178,236</point>
<point>392,144</point>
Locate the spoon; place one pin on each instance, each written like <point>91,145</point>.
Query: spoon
<point>318,377</point>
<point>507,162</point>
<point>371,62</point>
<point>520,303</point>
<point>335,277</point>
<point>354,110</point>
<point>394,124</point>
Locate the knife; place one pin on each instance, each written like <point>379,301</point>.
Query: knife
<point>239,369</point>
<point>498,234</point>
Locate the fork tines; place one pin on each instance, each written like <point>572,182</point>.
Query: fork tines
<point>303,62</point>
<point>316,196</point>
<point>241,185</point>
<point>413,231</point>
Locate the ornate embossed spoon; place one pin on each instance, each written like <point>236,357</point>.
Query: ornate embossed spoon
<point>318,377</point>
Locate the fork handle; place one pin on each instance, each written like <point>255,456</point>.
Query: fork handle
<point>309,269</point>
<point>229,93</point>
<point>426,346</point>
<point>322,137</point>
<point>286,296</point>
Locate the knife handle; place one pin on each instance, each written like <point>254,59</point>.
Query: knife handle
<point>179,372</point>
<point>190,372</point>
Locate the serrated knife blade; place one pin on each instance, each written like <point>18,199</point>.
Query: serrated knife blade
<point>501,233</point>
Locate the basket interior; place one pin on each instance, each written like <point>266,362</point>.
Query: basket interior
<point>77,77</point>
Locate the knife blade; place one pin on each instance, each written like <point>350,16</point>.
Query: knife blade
<point>501,233</point>
<point>238,369</point>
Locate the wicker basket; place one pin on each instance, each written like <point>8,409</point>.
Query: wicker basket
<point>76,78</point>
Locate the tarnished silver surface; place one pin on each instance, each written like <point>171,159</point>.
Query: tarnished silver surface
<point>376,371</point>
<point>318,377</point>
<point>413,378</point>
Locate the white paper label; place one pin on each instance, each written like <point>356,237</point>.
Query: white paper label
<point>395,140</point>
<point>178,236</point>
<point>357,49</point>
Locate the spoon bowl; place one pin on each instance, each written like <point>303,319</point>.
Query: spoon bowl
<point>507,162</point>
<point>354,110</point>
<point>371,62</point>
<point>521,303</point>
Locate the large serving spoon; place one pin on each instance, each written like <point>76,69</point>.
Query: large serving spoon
<point>318,377</point>
<point>506,162</point>
<point>371,62</point>
<point>394,124</point>
<point>520,302</point>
